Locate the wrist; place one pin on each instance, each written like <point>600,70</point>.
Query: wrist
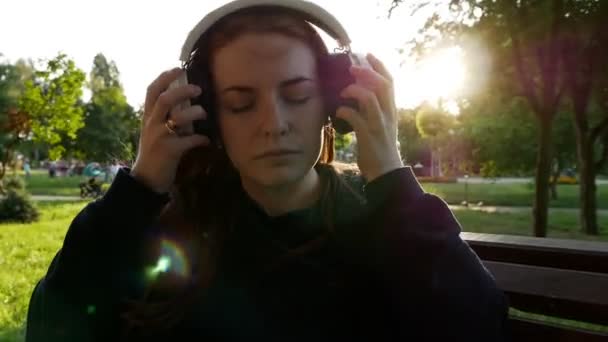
<point>146,181</point>
<point>383,168</point>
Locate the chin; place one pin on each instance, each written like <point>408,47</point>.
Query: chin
<point>278,175</point>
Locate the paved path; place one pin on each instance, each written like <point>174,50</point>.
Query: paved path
<point>55,198</point>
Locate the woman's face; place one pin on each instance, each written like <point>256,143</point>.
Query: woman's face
<point>270,107</point>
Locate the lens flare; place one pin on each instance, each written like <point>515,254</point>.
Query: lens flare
<point>172,259</point>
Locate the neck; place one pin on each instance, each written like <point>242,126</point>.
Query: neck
<point>281,199</point>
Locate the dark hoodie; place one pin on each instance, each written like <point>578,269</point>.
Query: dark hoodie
<point>394,269</point>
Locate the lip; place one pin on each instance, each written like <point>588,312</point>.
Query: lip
<point>279,152</point>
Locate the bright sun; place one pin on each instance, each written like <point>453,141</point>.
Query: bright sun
<point>440,76</point>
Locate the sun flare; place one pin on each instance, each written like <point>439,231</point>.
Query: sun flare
<point>440,76</point>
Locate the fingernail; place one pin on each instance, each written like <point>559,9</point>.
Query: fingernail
<point>197,90</point>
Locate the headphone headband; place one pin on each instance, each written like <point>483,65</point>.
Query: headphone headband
<point>314,13</point>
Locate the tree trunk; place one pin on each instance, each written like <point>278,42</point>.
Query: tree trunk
<point>554,180</point>
<point>588,215</point>
<point>543,172</point>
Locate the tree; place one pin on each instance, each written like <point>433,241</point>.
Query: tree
<point>503,131</point>
<point>584,53</point>
<point>414,149</point>
<point>51,101</point>
<point>14,124</point>
<point>111,124</point>
<point>439,128</point>
<point>523,38</point>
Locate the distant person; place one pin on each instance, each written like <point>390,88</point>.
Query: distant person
<point>52,169</point>
<point>27,169</point>
<point>252,232</point>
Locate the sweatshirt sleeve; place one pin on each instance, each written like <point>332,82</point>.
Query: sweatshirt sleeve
<point>99,265</point>
<point>433,279</point>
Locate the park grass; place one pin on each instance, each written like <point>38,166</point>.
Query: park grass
<point>26,250</point>
<point>41,184</point>
<point>562,224</point>
<point>516,195</point>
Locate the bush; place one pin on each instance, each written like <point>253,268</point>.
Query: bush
<point>489,169</point>
<point>18,206</point>
<point>14,183</point>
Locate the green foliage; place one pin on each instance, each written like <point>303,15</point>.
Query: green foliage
<point>16,205</point>
<point>489,169</point>
<point>14,183</point>
<point>342,141</point>
<point>412,145</point>
<point>9,126</point>
<point>8,86</point>
<point>52,100</point>
<point>111,125</point>
<point>434,122</point>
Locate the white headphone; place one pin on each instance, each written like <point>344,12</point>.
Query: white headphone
<point>312,12</point>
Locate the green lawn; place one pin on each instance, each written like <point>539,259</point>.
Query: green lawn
<point>26,250</point>
<point>562,225</point>
<point>25,254</point>
<point>41,184</point>
<point>491,194</point>
<point>518,195</point>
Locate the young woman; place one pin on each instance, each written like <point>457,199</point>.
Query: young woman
<point>256,234</point>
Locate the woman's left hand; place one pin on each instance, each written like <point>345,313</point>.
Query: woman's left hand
<point>375,123</point>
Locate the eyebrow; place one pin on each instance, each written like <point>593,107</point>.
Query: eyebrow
<point>285,83</point>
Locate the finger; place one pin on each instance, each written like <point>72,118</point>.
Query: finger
<point>379,67</point>
<point>377,83</point>
<point>171,98</point>
<point>352,117</point>
<point>157,87</point>
<point>369,107</point>
<point>188,142</point>
<point>183,119</point>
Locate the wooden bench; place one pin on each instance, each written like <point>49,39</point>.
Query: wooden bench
<point>566,279</point>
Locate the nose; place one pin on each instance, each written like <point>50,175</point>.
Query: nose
<point>274,121</point>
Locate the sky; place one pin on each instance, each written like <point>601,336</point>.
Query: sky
<point>145,38</point>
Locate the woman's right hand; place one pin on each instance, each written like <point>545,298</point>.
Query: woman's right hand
<point>160,150</point>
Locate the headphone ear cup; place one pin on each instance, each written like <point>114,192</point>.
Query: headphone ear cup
<point>208,126</point>
<point>335,76</point>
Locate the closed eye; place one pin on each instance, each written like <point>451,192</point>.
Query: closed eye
<point>241,109</point>
<point>298,100</point>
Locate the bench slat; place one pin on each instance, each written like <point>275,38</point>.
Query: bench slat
<point>590,256</point>
<point>581,296</point>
